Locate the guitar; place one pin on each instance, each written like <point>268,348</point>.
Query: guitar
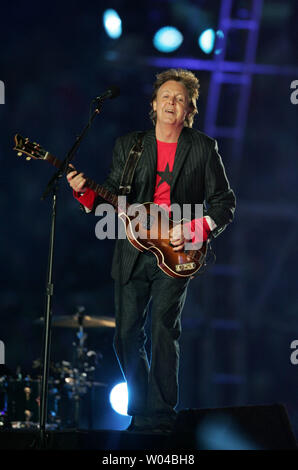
<point>146,233</point>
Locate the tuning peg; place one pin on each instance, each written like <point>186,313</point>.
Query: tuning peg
<point>20,154</point>
<point>28,158</point>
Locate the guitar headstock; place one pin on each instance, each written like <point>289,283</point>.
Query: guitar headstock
<point>31,149</point>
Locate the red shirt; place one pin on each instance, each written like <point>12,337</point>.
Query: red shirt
<point>165,161</point>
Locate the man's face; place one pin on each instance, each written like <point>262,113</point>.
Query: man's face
<point>171,103</point>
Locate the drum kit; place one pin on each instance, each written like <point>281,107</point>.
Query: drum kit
<point>69,382</point>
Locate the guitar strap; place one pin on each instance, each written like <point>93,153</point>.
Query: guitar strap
<point>131,164</point>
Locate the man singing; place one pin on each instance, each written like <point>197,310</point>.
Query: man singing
<point>178,165</point>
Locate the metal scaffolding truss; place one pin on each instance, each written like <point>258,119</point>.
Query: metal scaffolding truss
<point>218,379</point>
<point>233,382</point>
<point>242,78</point>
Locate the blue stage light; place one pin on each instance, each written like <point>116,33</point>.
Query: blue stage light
<point>119,398</point>
<point>112,24</point>
<point>223,433</point>
<point>206,40</point>
<point>219,41</point>
<point>167,39</point>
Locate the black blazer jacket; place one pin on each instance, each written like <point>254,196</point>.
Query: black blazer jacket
<point>198,177</point>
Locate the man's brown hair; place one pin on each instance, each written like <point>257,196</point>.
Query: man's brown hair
<point>191,83</point>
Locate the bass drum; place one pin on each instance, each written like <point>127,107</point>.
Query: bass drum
<point>23,402</point>
<point>3,401</point>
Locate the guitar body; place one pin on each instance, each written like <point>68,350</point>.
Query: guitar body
<point>149,228</point>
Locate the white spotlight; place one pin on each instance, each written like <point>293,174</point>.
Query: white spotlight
<point>167,39</point>
<point>112,23</point>
<point>119,398</point>
<point>206,40</point>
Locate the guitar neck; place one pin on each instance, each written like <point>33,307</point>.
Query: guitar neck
<point>98,189</point>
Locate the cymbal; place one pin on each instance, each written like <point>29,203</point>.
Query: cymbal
<point>72,321</point>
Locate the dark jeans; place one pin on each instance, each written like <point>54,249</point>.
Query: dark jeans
<point>153,389</point>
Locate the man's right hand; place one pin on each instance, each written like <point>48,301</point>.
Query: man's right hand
<point>76,181</point>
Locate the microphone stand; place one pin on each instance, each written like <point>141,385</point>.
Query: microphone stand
<point>53,186</point>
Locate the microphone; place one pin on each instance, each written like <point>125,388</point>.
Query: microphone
<point>112,92</point>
